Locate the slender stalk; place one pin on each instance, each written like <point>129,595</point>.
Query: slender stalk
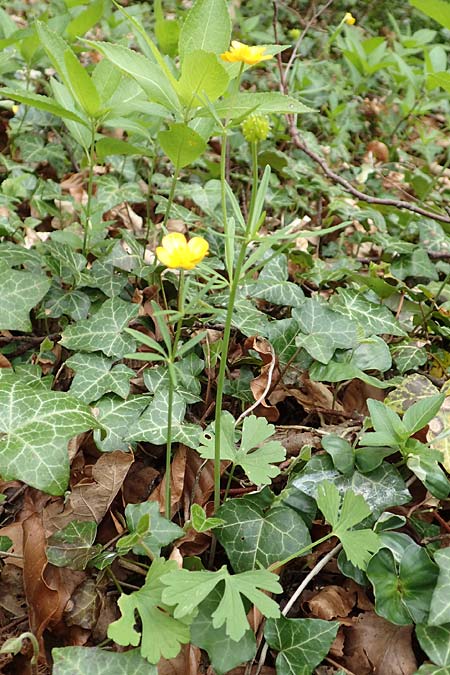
<point>222,370</point>
<point>254,146</point>
<point>172,385</point>
<point>297,554</point>
<point>91,160</point>
<point>171,196</point>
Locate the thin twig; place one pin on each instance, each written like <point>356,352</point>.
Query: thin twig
<point>314,572</point>
<point>267,388</point>
<point>343,182</point>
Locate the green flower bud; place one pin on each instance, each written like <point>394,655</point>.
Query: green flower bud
<point>294,33</point>
<point>255,128</point>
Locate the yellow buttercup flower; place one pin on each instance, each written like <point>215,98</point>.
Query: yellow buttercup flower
<point>239,52</point>
<point>178,253</point>
<point>349,19</point>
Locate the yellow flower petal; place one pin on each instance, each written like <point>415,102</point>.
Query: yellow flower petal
<point>349,19</point>
<point>177,253</point>
<point>198,248</point>
<point>242,53</point>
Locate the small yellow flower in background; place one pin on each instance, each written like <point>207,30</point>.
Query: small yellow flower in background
<point>349,19</point>
<point>239,52</point>
<point>178,253</point>
<point>15,109</point>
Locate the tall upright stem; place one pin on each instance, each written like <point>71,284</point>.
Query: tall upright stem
<point>172,384</point>
<point>254,146</point>
<point>91,159</point>
<point>171,196</point>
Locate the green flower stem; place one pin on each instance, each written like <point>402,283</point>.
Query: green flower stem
<point>222,369</point>
<point>91,160</point>
<point>254,146</point>
<point>172,385</point>
<point>282,563</point>
<point>171,196</point>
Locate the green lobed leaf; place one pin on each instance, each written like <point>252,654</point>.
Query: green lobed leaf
<point>186,590</point>
<point>200,522</point>
<point>96,375</point>
<point>21,291</point>
<point>35,426</point>
<point>256,454</point>
<point>376,319</point>
<point>223,653</point>
<point>117,417</point>
<point>323,330</point>
<point>104,330</point>
<point>73,546</point>
<point>160,634</point>
<point>160,532</point>
<point>301,643</point>
<point>408,357</point>
<point>95,661</point>
<point>258,533</point>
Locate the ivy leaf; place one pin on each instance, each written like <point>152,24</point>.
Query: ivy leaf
<point>187,590</point>
<point>376,319</point>
<point>104,330</point>
<point>95,661</point>
<point>435,642</point>
<point>35,426</point>
<point>323,330</point>
<point>21,291</point>
<point>256,455</point>
<point>117,417</point>
<point>160,530</point>
<point>200,522</point>
<point>152,424</point>
<point>273,286</point>
<point>73,546</point>
<point>343,514</point>
<point>96,375</point>
<point>440,601</point>
<point>187,371</point>
<point>408,357</point>
<point>161,635</point>
<point>302,643</point>
<point>224,654</point>
<point>256,533</point>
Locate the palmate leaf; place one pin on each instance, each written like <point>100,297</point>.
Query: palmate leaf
<point>117,417</point>
<point>375,319</point>
<point>161,635</point>
<point>95,661</point>
<point>21,291</point>
<point>73,546</point>
<point>302,643</point>
<point>223,653</point>
<point>256,455</point>
<point>255,533</point>
<point>343,514</point>
<point>35,427</point>
<point>186,590</point>
<point>104,330</point>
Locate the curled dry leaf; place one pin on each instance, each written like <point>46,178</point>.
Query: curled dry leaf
<point>90,499</point>
<point>267,379</point>
<point>331,602</point>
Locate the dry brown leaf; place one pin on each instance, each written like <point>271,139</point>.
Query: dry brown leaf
<point>268,377</point>
<point>91,498</point>
<point>375,646</point>
<point>177,473</point>
<point>356,393</point>
<point>186,663</point>
<point>83,607</point>
<point>331,602</point>
<point>241,670</point>
<point>12,594</point>
<point>4,363</point>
